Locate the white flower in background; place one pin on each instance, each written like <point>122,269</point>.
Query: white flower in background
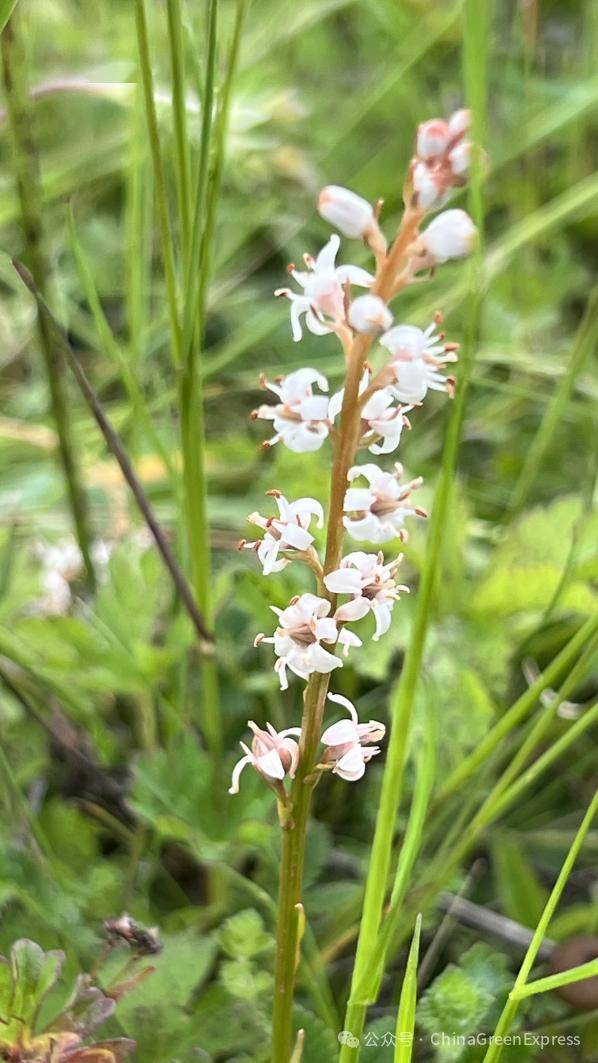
<point>443,156</point>
<point>345,742</point>
<point>61,563</point>
<point>372,584</point>
<point>273,754</point>
<point>385,420</point>
<point>450,235</point>
<point>417,357</point>
<point>300,417</point>
<point>302,628</point>
<point>377,513</point>
<point>288,531</point>
<point>322,299</point>
<point>369,314</point>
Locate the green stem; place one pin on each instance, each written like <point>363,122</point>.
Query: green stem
<point>138,226</point>
<point>27,176</point>
<point>291,879</point>
<point>112,348</point>
<point>510,1009</point>
<point>147,81</point>
<point>179,114</point>
<point>190,395</point>
<point>192,407</point>
<point>208,187</point>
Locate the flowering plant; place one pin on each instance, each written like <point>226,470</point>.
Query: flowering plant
<point>367,503</point>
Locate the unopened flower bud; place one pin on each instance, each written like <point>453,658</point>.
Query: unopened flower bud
<point>432,138</point>
<point>370,314</point>
<point>460,158</point>
<point>429,186</point>
<point>459,123</point>
<point>352,215</point>
<point>450,235</point>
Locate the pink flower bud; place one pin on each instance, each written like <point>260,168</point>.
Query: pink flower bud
<point>460,158</point>
<point>370,314</point>
<point>459,123</point>
<point>352,215</point>
<point>429,186</point>
<point>450,235</point>
<point>432,138</point>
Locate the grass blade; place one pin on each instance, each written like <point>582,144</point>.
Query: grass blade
<point>112,348</point>
<point>582,345</point>
<point>510,1010</point>
<point>555,981</point>
<point>406,1014</point>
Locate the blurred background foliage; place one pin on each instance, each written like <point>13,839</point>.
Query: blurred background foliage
<point>110,801</point>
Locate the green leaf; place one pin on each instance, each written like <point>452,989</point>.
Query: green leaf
<point>464,998</point>
<point>225,1026</point>
<point>154,1012</point>
<point>34,972</point>
<point>243,980</point>
<point>243,935</point>
<point>5,987</point>
<point>486,968</point>
<point>522,588</point>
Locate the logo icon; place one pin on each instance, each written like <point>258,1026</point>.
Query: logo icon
<point>345,1037</point>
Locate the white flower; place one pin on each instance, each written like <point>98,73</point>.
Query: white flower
<point>346,739</point>
<point>384,420</point>
<point>288,531</point>
<point>377,513</point>
<point>371,582</point>
<point>61,564</point>
<point>417,357</point>
<point>323,298</point>
<point>346,211</point>
<point>380,419</point>
<point>273,754</point>
<point>369,314</point>
<point>450,235</point>
<point>302,627</point>
<point>300,417</point>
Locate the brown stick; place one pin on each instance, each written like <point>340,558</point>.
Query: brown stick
<point>116,446</point>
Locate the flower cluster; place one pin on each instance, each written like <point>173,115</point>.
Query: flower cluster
<point>390,369</point>
<point>442,159</point>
